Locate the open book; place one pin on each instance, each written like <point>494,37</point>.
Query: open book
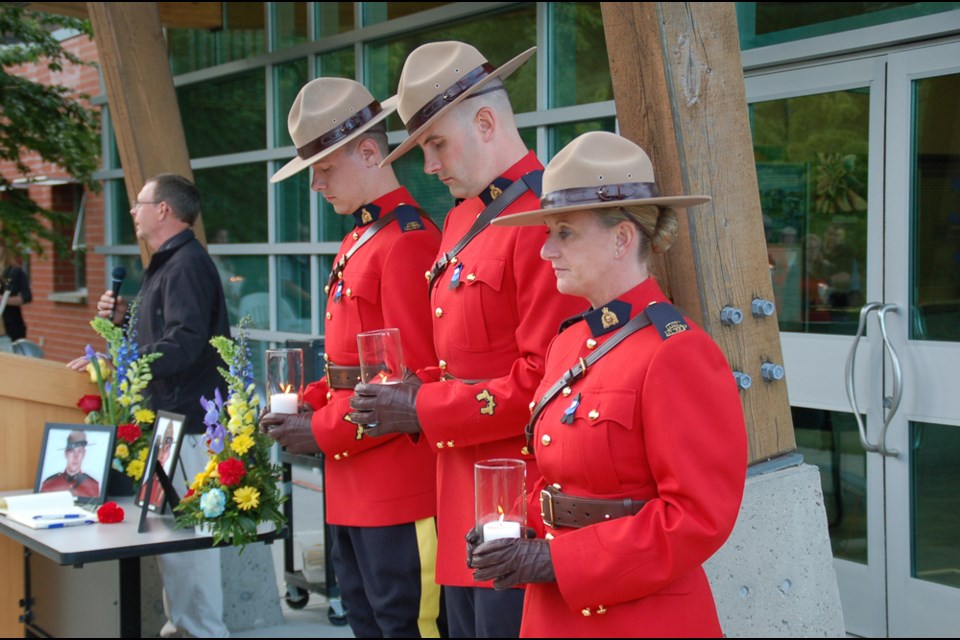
<point>51,510</point>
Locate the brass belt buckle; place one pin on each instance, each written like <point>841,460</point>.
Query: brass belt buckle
<point>326,374</point>
<point>546,502</point>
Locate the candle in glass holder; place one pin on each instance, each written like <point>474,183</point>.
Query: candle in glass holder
<point>500,504</point>
<point>284,379</point>
<point>381,356</point>
<point>284,402</point>
<point>500,528</point>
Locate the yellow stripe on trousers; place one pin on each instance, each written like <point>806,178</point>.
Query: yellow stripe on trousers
<point>429,589</point>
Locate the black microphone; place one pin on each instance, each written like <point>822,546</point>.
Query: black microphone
<point>119,273</point>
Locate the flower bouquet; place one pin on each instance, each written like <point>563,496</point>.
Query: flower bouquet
<point>121,377</point>
<point>238,489</point>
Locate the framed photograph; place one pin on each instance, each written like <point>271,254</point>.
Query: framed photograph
<point>165,449</point>
<point>76,458</point>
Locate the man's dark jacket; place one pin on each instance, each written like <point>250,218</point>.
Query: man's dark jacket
<point>181,307</point>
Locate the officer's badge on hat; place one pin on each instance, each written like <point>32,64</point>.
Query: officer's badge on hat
<point>76,439</point>
<point>328,113</point>
<point>436,77</point>
<point>598,170</point>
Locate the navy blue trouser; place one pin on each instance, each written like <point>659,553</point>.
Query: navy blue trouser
<point>474,612</point>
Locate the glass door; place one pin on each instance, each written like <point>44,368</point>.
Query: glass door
<point>858,165</point>
<point>922,247</point>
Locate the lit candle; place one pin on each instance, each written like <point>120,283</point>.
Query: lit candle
<point>284,403</point>
<point>496,529</point>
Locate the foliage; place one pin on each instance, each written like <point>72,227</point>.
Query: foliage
<point>121,386</point>
<point>45,118</point>
<point>238,488</point>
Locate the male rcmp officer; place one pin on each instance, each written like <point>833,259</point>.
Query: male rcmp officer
<point>73,479</point>
<point>495,308</point>
<point>381,492</point>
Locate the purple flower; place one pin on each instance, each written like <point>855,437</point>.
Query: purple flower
<point>216,435</point>
<point>212,408</point>
<point>91,354</point>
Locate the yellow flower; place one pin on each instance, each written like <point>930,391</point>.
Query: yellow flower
<point>241,444</point>
<point>122,451</point>
<point>144,416</point>
<point>135,469</point>
<point>199,479</point>
<point>142,456</point>
<point>105,370</point>
<point>247,498</point>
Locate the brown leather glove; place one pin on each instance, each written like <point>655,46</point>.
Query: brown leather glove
<point>474,539</point>
<point>512,561</point>
<point>291,430</point>
<point>387,408</point>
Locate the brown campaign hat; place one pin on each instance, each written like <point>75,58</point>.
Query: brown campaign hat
<point>328,113</point>
<point>438,76</point>
<point>598,170</point>
<point>76,439</point>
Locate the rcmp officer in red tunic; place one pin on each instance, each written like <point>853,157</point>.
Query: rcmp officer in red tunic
<point>638,428</point>
<point>494,304</point>
<point>73,479</point>
<point>381,492</point>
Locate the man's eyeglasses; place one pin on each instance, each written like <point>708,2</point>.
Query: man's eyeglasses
<point>137,203</point>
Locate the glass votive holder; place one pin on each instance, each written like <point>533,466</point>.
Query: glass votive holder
<point>381,357</point>
<point>501,497</point>
<point>284,380</point>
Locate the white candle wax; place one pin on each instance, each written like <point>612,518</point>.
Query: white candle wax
<point>283,403</point>
<point>496,529</point>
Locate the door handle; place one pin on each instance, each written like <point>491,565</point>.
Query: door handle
<point>865,311</point>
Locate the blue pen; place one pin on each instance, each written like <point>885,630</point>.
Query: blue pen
<point>58,525</point>
<point>66,516</point>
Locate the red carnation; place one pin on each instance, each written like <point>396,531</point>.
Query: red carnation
<point>110,513</point>
<point>231,472</point>
<point>128,432</point>
<point>189,494</point>
<point>89,403</point>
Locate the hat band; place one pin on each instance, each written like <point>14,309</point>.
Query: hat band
<point>335,135</point>
<point>429,110</point>
<point>597,195</point>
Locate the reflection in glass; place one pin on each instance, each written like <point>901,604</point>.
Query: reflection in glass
<point>293,207</point>
<point>234,202</point>
<point>220,32</point>
<point>226,115</point>
<point>246,288</point>
<point>131,284</point>
<point>376,12</point>
<point>562,134</point>
<point>293,285</point>
<point>935,498</point>
<point>288,79</point>
<point>935,211</point>
<point>341,64</point>
<point>830,440</point>
<point>811,154</point>
<point>579,67</point>
<point>289,23</point>
<point>332,18</point>
<point>123,230</point>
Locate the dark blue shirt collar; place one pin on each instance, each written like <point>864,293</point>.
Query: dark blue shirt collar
<point>366,214</point>
<point>607,318</point>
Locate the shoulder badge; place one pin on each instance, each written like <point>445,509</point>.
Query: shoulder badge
<point>408,217</point>
<point>667,319</point>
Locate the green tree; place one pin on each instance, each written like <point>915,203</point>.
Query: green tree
<point>45,118</point>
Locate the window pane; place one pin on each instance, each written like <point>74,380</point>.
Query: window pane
<point>499,37</point>
<point>293,207</point>
<point>563,134</point>
<point>131,283</point>
<point>811,154</point>
<point>288,80</point>
<point>375,12</point>
<point>293,303</point>
<point>123,231</point>
<point>341,64</point>
<point>333,226</point>
<point>830,440</point>
<point>234,201</point>
<point>766,23</point>
<point>289,23</point>
<point>430,193</point>
<point>935,214</point>
<point>333,18</point>
<point>579,71</point>
<point>249,293</point>
<point>223,32</point>
<point>935,487</point>
<point>226,115</point>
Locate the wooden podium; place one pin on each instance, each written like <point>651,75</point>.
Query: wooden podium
<point>33,392</point>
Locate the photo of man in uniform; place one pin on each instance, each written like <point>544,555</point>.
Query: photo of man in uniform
<point>73,478</point>
<point>163,448</point>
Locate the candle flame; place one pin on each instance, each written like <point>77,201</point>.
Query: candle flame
<point>383,376</point>
<point>287,388</point>
<point>500,511</point>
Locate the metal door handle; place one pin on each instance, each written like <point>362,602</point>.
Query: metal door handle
<point>849,375</point>
<point>897,379</point>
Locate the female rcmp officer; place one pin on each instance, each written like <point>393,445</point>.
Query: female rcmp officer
<point>643,455</point>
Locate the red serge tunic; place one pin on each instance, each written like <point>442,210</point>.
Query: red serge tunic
<point>491,333</point>
<point>659,419</point>
<point>375,482</point>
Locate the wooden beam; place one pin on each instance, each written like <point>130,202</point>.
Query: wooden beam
<point>679,90</point>
<point>141,95</point>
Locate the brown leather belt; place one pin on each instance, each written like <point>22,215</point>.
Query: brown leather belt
<point>342,377</point>
<point>560,510</point>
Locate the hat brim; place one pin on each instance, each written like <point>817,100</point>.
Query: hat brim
<point>539,216</point>
<point>298,164</point>
<point>502,71</point>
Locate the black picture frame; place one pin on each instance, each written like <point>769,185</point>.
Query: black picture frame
<point>167,426</point>
<point>62,444</point>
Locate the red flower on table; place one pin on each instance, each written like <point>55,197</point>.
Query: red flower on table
<point>110,513</point>
<point>89,403</point>
<point>128,432</point>
<point>231,472</point>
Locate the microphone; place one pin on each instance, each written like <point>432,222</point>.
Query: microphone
<point>119,273</point>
